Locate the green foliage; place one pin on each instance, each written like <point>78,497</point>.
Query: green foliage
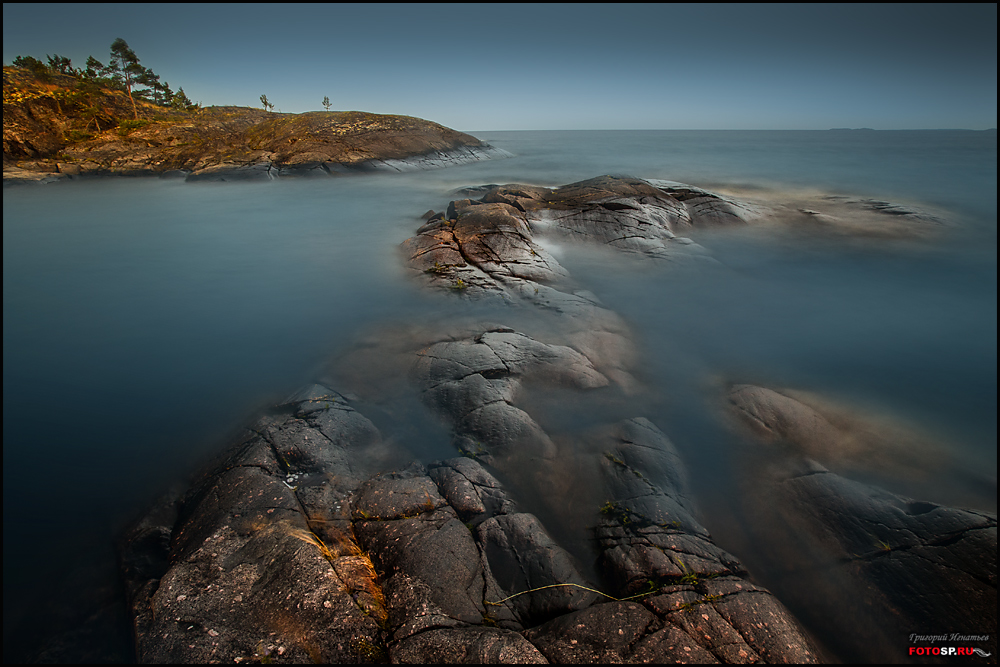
<point>79,135</point>
<point>369,651</point>
<point>35,66</point>
<point>439,269</point>
<point>126,126</point>
<point>689,577</point>
<point>61,64</point>
<point>267,105</point>
<point>326,102</point>
<point>614,459</point>
<point>181,101</point>
<point>95,69</point>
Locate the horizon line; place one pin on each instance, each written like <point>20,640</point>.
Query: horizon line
<point>710,129</point>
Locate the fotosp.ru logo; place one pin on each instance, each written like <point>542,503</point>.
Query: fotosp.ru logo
<point>949,651</point>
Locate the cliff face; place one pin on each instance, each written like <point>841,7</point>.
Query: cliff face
<point>53,127</point>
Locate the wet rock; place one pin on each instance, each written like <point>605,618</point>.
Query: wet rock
<point>233,172</point>
<point>517,552</point>
<point>474,382</point>
<point>467,646</point>
<point>704,606</point>
<point>834,435</point>
<point>899,565</point>
<point>602,634</point>
<point>887,208</point>
<point>486,242</point>
<point>240,568</point>
<point>523,557</point>
<point>708,208</point>
<point>437,159</point>
<point>472,491</point>
<point>439,572</point>
<point>649,533</point>
<point>923,564</point>
<point>412,532</point>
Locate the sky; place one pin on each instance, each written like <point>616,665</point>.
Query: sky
<point>563,66</point>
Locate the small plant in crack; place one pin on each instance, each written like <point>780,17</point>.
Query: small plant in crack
<point>428,505</point>
<point>460,285</point>
<point>438,269</point>
<point>614,459</point>
<point>884,547</point>
<point>625,516</point>
<point>689,577</point>
<point>369,650</point>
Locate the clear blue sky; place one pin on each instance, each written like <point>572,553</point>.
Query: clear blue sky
<point>508,67</point>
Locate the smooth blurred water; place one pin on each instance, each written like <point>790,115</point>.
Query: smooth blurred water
<point>146,320</point>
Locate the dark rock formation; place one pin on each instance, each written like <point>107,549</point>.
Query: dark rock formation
<point>292,549</point>
<point>257,561</point>
<point>909,566</point>
<point>316,538</point>
<point>700,607</point>
<point>488,245</point>
<point>474,382</point>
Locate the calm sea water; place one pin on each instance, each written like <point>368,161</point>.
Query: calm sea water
<point>145,321</point>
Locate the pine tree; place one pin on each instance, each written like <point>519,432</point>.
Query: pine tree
<point>61,64</point>
<point>95,69</point>
<point>180,101</point>
<point>37,67</point>
<point>125,67</point>
<point>267,105</point>
<point>326,102</point>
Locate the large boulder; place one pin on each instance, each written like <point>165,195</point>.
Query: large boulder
<point>441,570</point>
<point>679,597</point>
<point>882,567</point>
<point>257,561</point>
<point>474,382</point>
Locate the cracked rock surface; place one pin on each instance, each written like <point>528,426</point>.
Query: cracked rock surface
<point>914,564</point>
<point>317,537</point>
<point>487,247</point>
<point>253,561</point>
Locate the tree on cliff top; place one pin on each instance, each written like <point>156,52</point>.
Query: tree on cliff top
<point>124,65</point>
<point>61,64</point>
<point>34,65</point>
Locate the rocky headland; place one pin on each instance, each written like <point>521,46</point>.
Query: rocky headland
<point>52,130</point>
<point>317,537</point>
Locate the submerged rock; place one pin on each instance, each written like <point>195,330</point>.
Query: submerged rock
<point>475,381</point>
<point>488,245</point>
<point>700,604</point>
<point>317,538</point>
<point>292,548</point>
<point>905,566</point>
<point>257,561</point>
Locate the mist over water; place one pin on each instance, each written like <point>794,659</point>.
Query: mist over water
<point>145,321</point>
